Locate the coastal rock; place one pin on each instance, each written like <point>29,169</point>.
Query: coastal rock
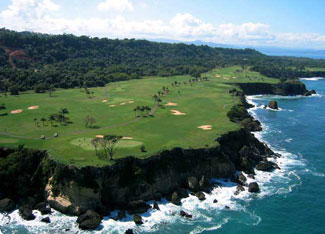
<point>155,206</point>
<point>251,125</point>
<point>242,178</point>
<point>137,207</point>
<point>89,221</point>
<point>7,205</point>
<point>200,196</point>
<point>184,214</point>
<point>26,212</point>
<point>129,231</point>
<point>239,189</point>
<point>193,184</point>
<point>205,184</point>
<point>45,210</point>
<point>273,105</point>
<point>246,165</point>
<point>266,166</point>
<point>253,187</point>
<point>137,219</point>
<point>46,220</point>
<point>178,195</point>
<point>40,205</point>
<point>310,92</point>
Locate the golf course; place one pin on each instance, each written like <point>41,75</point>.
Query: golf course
<point>179,111</point>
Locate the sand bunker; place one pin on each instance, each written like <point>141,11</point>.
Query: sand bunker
<point>225,78</point>
<point>131,101</point>
<point>123,103</point>
<point>234,77</point>
<point>176,112</point>
<point>112,105</point>
<point>105,101</point>
<point>127,138</point>
<point>205,127</point>
<point>171,104</point>
<point>16,111</point>
<point>218,76</point>
<point>33,107</point>
<point>99,136</point>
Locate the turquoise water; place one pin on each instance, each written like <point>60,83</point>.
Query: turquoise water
<point>292,199</point>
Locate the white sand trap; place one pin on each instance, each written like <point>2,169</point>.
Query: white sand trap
<point>234,77</point>
<point>16,111</point>
<point>218,76</point>
<point>105,101</point>
<point>112,105</point>
<point>131,101</point>
<point>127,138</point>
<point>99,136</point>
<point>33,107</point>
<point>123,103</point>
<point>205,127</point>
<point>225,78</point>
<point>176,112</point>
<point>171,104</point>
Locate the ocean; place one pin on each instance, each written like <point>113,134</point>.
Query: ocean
<point>291,199</point>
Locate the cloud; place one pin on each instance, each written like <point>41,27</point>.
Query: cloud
<point>247,31</point>
<point>27,14</point>
<point>186,25</point>
<point>115,5</point>
<point>44,16</point>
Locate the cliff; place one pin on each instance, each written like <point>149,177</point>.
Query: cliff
<point>33,176</point>
<point>286,88</point>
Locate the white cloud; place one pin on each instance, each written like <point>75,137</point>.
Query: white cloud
<point>247,31</point>
<point>43,16</point>
<point>186,25</point>
<point>115,5</point>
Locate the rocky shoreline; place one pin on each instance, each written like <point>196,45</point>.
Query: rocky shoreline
<point>33,180</point>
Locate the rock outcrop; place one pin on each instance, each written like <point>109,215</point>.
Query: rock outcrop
<point>253,187</point>
<point>7,205</point>
<point>89,221</point>
<point>273,105</point>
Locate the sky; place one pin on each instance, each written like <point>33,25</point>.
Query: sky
<point>281,23</point>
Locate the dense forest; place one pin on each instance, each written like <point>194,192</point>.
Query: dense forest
<point>43,62</point>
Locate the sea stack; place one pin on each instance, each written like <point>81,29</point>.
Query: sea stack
<point>273,105</point>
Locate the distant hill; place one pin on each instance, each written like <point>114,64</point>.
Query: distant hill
<point>268,50</point>
<point>42,62</point>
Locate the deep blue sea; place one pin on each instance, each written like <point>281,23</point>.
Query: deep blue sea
<point>292,199</point>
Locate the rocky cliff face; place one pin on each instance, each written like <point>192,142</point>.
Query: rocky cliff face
<point>133,179</point>
<point>294,87</point>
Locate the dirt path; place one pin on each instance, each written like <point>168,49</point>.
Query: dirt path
<point>83,131</point>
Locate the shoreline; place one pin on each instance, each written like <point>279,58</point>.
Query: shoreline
<point>169,213</point>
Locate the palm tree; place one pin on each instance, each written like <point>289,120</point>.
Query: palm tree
<point>64,111</point>
<point>43,120</point>
<point>136,109</point>
<point>35,120</point>
<point>51,118</point>
<point>159,93</point>
<point>155,97</point>
<point>159,101</point>
<point>95,143</point>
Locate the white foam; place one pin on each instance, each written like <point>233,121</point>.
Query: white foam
<point>313,78</point>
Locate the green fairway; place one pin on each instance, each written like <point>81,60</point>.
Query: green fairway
<point>199,103</point>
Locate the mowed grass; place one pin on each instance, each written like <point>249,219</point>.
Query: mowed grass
<point>204,103</point>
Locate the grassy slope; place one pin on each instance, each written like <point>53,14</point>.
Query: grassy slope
<point>205,103</point>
